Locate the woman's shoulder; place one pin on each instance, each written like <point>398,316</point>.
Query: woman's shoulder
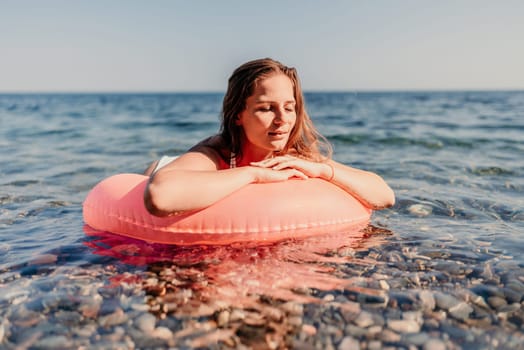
<point>213,147</point>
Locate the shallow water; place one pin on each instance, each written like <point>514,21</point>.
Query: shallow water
<point>444,267</point>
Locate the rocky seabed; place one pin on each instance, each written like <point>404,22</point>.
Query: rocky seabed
<point>402,297</point>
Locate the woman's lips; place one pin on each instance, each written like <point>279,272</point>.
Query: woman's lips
<point>277,133</point>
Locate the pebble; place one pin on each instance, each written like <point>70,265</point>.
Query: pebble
<point>374,330</point>
<point>355,330</point>
<point>403,326</point>
<point>383,284</point>
<point>139,307</point>
<point>427,299</point>
<point>273,314</point>
<point>294,321</point>
<point>44,259</point>
<point>26,318</point>
<point>487,291</point>
<point>373,300</point>
<point>434,344</point>
<point>512,296</point>
<point>162,333</point>
<point>116,318</point>
<point>479,301</point>
<point>445,301</point>
<point>516,286</point>
<point>26,337</point>
<point>375,345</point>
<point>310,330</point>
<point>364,319</point>
<point>115,335</point>
<point>451,267</point>
<point>461,311</point>
<point>53,342</point>
<point>68,318</point>
<point>145,322</point>
<point>349,343</point>
<point>431,324</point>
<point>349,310</point>
<point>223,318</point>
<point>420,209</point>
<point>85,331</point>
<point>403,301</point>
<point>417,339</point>
<point>510,308</point>
<point>497,302</point>
<point>293,308</point>
<point>388,336</point>
<point>16,297</point>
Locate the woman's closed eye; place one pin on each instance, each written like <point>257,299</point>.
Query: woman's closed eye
<point>265,108</point>
<point>289,109</point>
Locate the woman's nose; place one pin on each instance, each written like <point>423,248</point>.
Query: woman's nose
<point>280,116</point>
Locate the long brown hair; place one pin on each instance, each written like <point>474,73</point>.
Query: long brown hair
<point>304,141</point>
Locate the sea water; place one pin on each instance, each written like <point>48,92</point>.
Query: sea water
<point>443,267</point>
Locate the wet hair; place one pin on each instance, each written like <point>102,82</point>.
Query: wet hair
<point>304,140</point>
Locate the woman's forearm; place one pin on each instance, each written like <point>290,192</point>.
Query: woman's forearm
<point>173,191</point>
<point>366,186</point>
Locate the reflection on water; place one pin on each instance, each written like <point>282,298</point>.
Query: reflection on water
<point>240,286</point>
<point>287,270</point>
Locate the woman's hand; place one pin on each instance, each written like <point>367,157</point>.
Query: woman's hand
<point>268,174</point>
<point>366,186</point>
<point>305,167</point>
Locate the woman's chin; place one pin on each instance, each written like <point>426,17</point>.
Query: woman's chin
<point>278,145</point>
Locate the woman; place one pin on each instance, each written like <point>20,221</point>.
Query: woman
<point>266,136</point>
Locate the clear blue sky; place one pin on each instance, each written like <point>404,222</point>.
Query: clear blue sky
<point>193,45</point>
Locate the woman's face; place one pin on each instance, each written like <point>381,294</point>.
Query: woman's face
<point>269,117</point>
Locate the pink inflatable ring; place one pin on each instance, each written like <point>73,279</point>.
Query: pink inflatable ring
<point>256,213</point>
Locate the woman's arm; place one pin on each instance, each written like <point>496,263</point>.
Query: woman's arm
<point>193,181</point>
<point>366,186</point>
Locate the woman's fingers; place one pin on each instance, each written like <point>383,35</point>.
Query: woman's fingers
<point>311,169</point>
<point>271,162</point>
<point>304,167</point>
<point>279,163</point>
<point>283,165</point>
<point>270,175</point>
<point>285,174</point>
<point>298,174</point>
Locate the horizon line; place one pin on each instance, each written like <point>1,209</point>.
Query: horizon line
<point>169,92</point>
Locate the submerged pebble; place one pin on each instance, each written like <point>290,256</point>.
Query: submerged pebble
<point>404,326</point>
<point>420,209</point>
